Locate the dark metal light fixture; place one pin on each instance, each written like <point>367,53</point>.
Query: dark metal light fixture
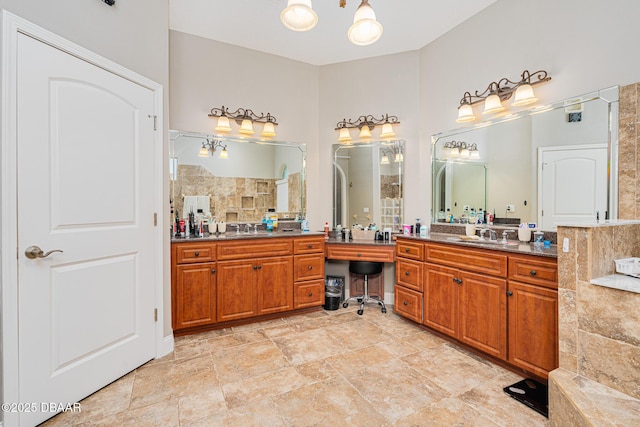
<point>460,149</point>
<point>500,91</point>
<point>366,124</point>
<point>109,2</point>
<point>209,148</point>
<point>245,118</point>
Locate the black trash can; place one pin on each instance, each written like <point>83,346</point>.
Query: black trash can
<point>333,292</point>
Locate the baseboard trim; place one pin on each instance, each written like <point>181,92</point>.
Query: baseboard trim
<point>165,348</point>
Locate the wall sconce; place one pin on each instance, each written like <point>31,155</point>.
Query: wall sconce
<point>366,124</point>
<point>245,118</point>
<point>500,91</point>
<point>460,149</point>
<point>300,16</point>
<point>394,153</point>
<point>209,148</point>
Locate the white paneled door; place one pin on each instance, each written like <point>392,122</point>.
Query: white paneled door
<point>85,188</point>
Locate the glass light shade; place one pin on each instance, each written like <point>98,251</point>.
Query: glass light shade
<point>465,114</point>
<point>454,152</point>
<point>223,124</point>
<point>246,128</point>
<point>365,132</point>
<point>384,160</point>
<point>398,158</point>
<point>474,154</point>
<point>365,29</point>
<point>464,152</point>
<point>344,135</point>
<point>387,131</point>
<point>223,154</point>
<point>493,104</point>
<point>299,16</point>
<point>524,96</point>
<point>204,152</point>
<point>268,130</point>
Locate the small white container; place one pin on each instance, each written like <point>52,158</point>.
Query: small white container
<point>628,266</point>
<point>470,229</point>
<point>222,227</point>
<point>524,234</point>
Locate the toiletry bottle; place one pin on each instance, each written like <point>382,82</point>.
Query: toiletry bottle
<point>449,216</point>
<point>423,231</point>
<point>418,225</point>
<point>326,229</point>
<point>269,225</point>
<point>480,217</point>
<point>441,215</point>
<point>472,216</point>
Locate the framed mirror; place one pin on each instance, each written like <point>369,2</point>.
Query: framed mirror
<point>236,179</point>
<point>547,165</point>
<point>368,184</point>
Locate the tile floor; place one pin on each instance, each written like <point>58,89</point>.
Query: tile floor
<point>324,368</point>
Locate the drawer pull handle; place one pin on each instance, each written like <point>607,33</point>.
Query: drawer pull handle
<point>407,250</point>
<point>197,253</point>
<point>532,272</point>
<point>509,293</point>
<point>310,294</point>
<point>359,254</point>
<point>310,246</point>
<point>458,281</point>
<point>259,267</point>
<point>406,303</point>
<point>406,273</point>
<point>310,268</point>
<point>213,270</point>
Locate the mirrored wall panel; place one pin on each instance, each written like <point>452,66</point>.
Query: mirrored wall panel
<point>368,186</point>
<point>236,180</point>
<point>549,165</point>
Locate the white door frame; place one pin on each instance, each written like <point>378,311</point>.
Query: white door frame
<point>11,26</point>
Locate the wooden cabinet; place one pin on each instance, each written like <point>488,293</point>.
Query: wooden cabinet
<point>193,281</point>
<point>408,303</point>
<point>227,281</point>
<point>533,314</point>
<point>408,296</point>
<point>350,252</point>
<point>308,271</point>
<point>375,284</point>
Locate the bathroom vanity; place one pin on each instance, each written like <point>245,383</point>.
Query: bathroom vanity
<point>225,280</point>
<point>499,299</point>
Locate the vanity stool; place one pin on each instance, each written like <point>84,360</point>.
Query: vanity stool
<point>365,268</point>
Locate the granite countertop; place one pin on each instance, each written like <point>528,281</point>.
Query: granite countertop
<point>232,235</point>
<point>514,246</point>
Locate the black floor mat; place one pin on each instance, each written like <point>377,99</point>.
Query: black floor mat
<point>532,393</point>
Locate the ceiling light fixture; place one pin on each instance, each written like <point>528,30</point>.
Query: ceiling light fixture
<point>500,91</point>
<point>245,118</point>
<point>209,148</point>
<point>366,124</point>
<point>300,16</point>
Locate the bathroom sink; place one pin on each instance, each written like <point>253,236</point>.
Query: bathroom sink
<point>484,242</point>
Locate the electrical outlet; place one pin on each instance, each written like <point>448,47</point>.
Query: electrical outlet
<point>465,208</point>
<point>511,208</point>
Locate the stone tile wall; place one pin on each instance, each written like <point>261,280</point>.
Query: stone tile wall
<point>628,152</point>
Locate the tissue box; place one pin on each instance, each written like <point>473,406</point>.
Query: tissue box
<point>363,234</point>
<point>628,266</point>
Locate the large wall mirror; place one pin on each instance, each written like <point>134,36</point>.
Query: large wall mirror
<point>368,184</point>
<point>548,165</point>
<point>255,177</point>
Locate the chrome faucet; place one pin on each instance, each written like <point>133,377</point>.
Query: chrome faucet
<point>505,233</point>
<point>492,234</point>
<point>247,228</point>
<point>255,228</point>
<point>237,228</point>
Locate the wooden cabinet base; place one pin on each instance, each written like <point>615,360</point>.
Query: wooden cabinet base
<point>256,319</point>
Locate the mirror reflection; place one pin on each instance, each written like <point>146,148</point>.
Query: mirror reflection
<point>236,180</point>
<point>368,184</point>
<point>549,165</point>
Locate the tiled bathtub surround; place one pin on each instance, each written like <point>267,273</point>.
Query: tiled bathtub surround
<point>629,152</point>
<point>599,327</point>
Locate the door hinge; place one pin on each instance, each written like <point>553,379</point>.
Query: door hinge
<point>155,219</point>
<point>542,212</point>
<point>155,121</point>
<point>155,314</point>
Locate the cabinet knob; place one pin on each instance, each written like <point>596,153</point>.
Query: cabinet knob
<point>532,272</point>
<point>406,303</point>
<point>406,273</point>
<point>255,267</point>
<point>197,253</point>
<point>406,250</point>
<point>509,293</point>
<point>310,268</point>
<point>310,246</point>
<point>359,254</point>
<point>259,267</point>
<point>213,270</point>
<point>310,294</point>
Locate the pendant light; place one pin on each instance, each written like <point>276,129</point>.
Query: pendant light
<point>365,29</point>
<point>299,15</point>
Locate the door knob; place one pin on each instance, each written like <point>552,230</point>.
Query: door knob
<point>33,252</point>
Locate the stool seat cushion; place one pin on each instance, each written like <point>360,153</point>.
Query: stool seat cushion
<point>365,267</point>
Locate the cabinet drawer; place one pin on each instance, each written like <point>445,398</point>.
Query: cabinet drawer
<point>534,270</point>
<point>409,249</point>
<point>408,303</point>
<point>194,252</point>
<point>409,274</point>
<point>308,245</point>
<point>251,248</point>
<point>476,260</point>
<point>308,294</point>
<point>360,252</point>
<point>308,267</point>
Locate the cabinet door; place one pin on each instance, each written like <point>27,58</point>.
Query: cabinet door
<point>533,328</point>
<point>237,290</point>
<point>309,294</point>
<point>375,284</point>
<point>275,284</point>
<point>441,299</point>
<point>408,303</point>
<point>483,313</point>
<point>409,273</point>
<point>308,267</point>
<point>194,296</point>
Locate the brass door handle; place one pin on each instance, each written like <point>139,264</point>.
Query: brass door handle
<point>33,252</point>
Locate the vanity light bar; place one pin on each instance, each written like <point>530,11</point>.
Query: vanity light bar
<point>366,124</point>
<point>245,118</point>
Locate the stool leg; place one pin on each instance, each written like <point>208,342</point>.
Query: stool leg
<point>365,297</point>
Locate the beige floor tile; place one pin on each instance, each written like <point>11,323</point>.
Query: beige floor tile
<point>358,334</point>
<point>447,412</point>
<point>303,347</point>
<point>249,360</point>
<point>258,413</point>
<point>347,362</point>
<point>163,413</point>
<point>272,383</point>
